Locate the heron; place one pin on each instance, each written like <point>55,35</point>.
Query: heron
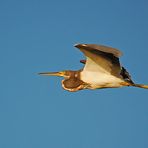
<point>102,69</point>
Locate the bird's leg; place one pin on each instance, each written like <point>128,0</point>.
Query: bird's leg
<point>135,85</point>
<point>141,86</point>
<point>125,83</point>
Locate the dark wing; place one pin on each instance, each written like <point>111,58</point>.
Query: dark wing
<point>101,59</point>
<point>83,61</point>
<point>126,76</point>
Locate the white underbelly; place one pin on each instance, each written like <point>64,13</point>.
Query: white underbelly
<point>100,79</point>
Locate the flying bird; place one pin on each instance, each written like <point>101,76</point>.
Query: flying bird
<point>102,69</point>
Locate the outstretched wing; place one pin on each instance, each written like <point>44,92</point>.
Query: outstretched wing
<point>101,59</point>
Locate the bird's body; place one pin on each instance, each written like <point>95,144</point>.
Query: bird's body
<point>101,80</point>
<point>102,69</point>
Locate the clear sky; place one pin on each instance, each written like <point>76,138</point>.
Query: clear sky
<point>38,36</point>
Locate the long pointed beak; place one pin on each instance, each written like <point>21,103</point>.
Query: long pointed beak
<point>80,45</point>
<point>60,73</point>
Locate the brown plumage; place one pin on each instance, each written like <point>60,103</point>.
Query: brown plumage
<point>73,82</point>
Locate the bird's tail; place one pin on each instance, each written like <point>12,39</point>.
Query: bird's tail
<point>140,86</point>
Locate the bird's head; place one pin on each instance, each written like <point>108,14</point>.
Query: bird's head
<point>71,82</point>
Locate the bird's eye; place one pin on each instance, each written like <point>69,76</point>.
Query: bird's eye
<point>76,75</point>
<point>84,44</point>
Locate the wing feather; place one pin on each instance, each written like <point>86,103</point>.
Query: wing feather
<point>101,59</point>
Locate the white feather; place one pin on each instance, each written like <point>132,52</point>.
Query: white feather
<point>95,78</point>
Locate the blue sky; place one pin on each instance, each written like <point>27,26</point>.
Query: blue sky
<point>38,36</point>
